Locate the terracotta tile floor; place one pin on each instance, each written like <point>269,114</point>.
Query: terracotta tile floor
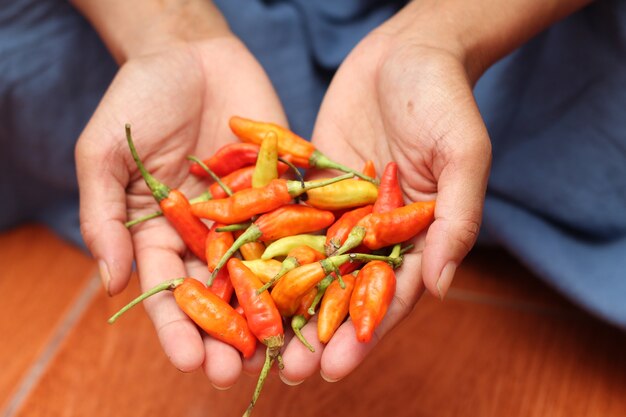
<point>502,344</point>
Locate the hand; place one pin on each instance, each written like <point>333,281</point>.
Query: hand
<point>393,99</point>
<point>178,100</point>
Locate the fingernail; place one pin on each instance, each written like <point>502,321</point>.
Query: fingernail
<point>220,388</point>
<point>288,382</point>
<point>327,378</point>
<point>105,276</point>
<point>445,279</point>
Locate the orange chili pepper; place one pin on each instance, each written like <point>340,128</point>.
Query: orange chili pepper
<point>244,204</point>
<point>280,222</point>
<point>373,292</point>
<point>297,282</point>
<point>263,318</point>
<point>251,250</point>
<point>302,316</point>
<point>369,169</point>
<point>175,207</point>
<point>217,243</point>
<point>342,195</point>
<point>302,152</point>
<point>339,231</point>
<point>389,191</point>
<point>212,314</point>
<point>334,307</point>
<point>300,255</point>
<point>202,197</point>
<point>227,159</point>
<point>377,230</point>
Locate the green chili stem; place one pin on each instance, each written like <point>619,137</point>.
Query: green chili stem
<point>293,168</point>
<point>297,323</point>
<point>167,285</point>
<point>354,239</point>
<point>319,160</point>
<point>271,355</point>
<point>321,289</point>
<point>217,179</point>
<point>233,227</point>
<point>159,190</point>
<point>288,264</point>
<point>406,249</point>
<point>296,188</point>
<point>251,234</point>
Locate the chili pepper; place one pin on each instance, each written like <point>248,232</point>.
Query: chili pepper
<point>244,204</point>
<point>205,196</point>
<point>251,250</point>
<point>175,207</point>
<point>303,153</point>
<point>321,289</point>
<point>377,230</point>
<point>278,223</point>
<point>240,179</point>
<point>217,243</point>
<point>265,269</point>
<point>227,159</point>
<point>265,169</point>
<point>300,255</point>
<point>334,307</point>
<point>297,282</point>
<point>389,191</point>
<point>263,318</point>
<point>337,234</point>
<point>212,314</point>
<point>281,247</point>
<point>369,169</point>
<point>373,292</point>
<point>342,195</point>
<point>302,316</point>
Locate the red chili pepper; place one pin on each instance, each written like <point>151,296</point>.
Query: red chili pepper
<point>338,232</point>
<point>212,314</point>
<point>175,208</point>
<point>245,204</point>
<point>263,317</point>
<point>398,225</point>
<point>303,153</point>
<point>227,159</point>
<point>369,169</point>
<point>334,307</point>
<point>300,255</point>
<point>389,191</point>
<point>217,243</point>
<point>373,292</point>
<point>281,222</point>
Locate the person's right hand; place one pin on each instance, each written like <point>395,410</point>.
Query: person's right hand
<point>178,100</point>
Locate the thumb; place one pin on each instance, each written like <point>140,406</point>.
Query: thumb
<point>461,190</point>
<point>102,178</point>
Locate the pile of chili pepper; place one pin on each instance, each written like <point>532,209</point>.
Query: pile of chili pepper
<point>279,250</point>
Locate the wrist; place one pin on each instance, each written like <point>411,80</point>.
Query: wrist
<point>141,27</point>
<point>477,33</point>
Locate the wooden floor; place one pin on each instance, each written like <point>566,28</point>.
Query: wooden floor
<point>502,344</point>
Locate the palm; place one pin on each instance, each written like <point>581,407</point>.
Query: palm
<point>413,106</point>
<point>178,103</point>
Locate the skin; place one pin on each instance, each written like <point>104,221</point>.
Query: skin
<point>404,94</point>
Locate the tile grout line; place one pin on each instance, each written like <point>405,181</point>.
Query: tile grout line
<point>33,375</point>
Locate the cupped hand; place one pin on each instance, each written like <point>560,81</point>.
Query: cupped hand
<point>178,101</point>
<point>397,99</point>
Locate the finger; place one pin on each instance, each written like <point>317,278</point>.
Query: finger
<point>179,336</point>
<point>222,364</point>
<point>102,178</point>
<point>300,362</point>
<point>254,364</point>
<point>344,353</point>
<point>461,190</point>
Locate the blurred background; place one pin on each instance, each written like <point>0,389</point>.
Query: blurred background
<point>501,344</point>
